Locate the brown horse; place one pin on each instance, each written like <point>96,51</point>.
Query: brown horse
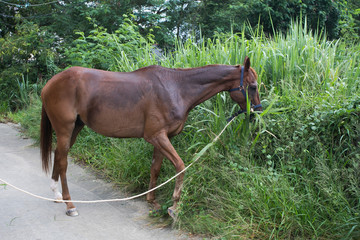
<point>151,103</point>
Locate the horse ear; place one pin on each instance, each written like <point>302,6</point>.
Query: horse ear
<point>247,63</point>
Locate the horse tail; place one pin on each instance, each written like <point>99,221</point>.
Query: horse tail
<point>45,140</point>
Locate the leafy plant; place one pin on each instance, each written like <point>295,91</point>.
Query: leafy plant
<point>25,54</point>
<point>103,50</point>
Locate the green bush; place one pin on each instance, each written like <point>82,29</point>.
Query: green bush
<point>109,51</point>
<point>26,58</point>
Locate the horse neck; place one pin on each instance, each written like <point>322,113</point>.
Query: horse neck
<point>199,84</point>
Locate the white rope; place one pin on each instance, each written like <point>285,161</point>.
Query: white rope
<point>196,158</point>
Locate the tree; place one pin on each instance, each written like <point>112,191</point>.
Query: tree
<point>216,15</point>
<point>350,20</point>
<point>30,53</point>
<point>273,15</point>
<point>320,14</point>
<point>14,12</point>
<point>64,17</point>
<point>167,20</point>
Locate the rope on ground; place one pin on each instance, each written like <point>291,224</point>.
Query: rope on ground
<point>196,158</point>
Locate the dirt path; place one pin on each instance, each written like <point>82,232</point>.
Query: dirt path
<point>25,217</point>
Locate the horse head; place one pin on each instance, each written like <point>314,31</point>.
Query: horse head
<point>248,88</point>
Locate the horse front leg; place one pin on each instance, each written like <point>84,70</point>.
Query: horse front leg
<point>154,174</point>
<point>162,142</point>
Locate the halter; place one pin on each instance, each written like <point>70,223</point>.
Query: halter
<point>241,88</point>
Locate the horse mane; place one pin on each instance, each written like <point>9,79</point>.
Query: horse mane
<point>167,70</point>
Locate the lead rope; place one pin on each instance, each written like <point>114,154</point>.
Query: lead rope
<point>196,158</point>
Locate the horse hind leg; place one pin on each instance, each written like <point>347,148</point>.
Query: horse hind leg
<point>55,175</point>
<point>66,133</point>
<point>61,157</point>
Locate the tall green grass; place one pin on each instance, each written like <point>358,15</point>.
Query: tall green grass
<point>293,172</point>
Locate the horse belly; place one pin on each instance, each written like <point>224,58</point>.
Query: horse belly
<point>119,124</point>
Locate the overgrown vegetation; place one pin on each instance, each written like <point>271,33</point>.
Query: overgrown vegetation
<point>293,172</point>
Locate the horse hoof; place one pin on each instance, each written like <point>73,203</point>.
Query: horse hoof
<point>72,212</point>
<point>58,199</point>
<point>172,212</point>
<point>57,196</point>
<point>155,206</point>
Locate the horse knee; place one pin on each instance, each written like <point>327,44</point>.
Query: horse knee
<point>155,172</point>
<point>180,166</point>
<point>63,165</point>
<point>150,197</point>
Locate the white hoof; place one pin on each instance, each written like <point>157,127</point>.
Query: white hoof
<point>172,212</point>
<point>72,212</point>
<point>58,197</point>
<point>58,200</point>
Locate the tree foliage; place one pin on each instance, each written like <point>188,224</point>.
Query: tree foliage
<point>176,18</point>
<point>102,50</point>
<point>271,14</point>
<point>30,52</point>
